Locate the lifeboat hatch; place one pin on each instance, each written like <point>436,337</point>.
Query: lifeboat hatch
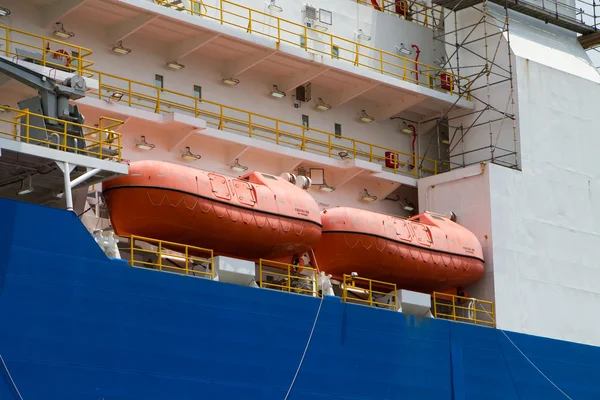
<point>219,186</point>
<point>244,192</point>
<point>402,230</point>
<point>423,234</point>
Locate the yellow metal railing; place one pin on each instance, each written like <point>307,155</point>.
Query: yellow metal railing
<point>464,309</point>
<point>318,42</point>
<point>369,292</point>
<point>417,12</point>
<point>288,278</point>
<point>223,117</point>
<point>20,45</point>
<point>101,141</point>
<point>172,257</point>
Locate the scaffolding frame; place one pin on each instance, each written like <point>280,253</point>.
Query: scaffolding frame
<point>488,72</point>
<point>485,73</point>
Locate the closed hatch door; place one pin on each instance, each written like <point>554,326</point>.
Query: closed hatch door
<point>423,234</point>
<point>244,192</point>
<point>219,186</point>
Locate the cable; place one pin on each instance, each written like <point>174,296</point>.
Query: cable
<point>533,365</point>
<point>10,377</point>
<point>523,354</point>
<point>309,336</point>
<point>89,208</point>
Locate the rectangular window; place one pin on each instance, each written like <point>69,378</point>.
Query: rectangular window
<point>305,121</point>
<point>75,59</point>
<point>338,130</point>
<point>159,81</point>
<point>336,52</point>
<point>325,17</point>
<point>198,92</point>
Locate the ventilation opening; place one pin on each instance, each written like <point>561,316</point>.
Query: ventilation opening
<point>310,13</point>
<point>303,93</point>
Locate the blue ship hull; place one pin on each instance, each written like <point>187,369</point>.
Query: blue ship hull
<point>74,325</point>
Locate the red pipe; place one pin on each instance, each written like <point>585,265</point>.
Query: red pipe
<point>375,5</point>
<point>414,46</point>
<point>414,153</point>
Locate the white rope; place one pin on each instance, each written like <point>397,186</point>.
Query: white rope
<point>10,377</point>
<point>534,366</point>
<point>309,336</point>
<point>525,356</point>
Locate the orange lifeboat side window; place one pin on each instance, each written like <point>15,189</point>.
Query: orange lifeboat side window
<point>219,186</point>
<point>244,192</point>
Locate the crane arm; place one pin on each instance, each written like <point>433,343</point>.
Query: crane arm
<point>26,76</point>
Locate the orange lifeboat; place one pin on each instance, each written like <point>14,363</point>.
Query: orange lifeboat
<point>425,253</point>
<point>255,216</point>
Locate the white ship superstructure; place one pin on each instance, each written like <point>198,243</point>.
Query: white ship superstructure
<point>396,107</point>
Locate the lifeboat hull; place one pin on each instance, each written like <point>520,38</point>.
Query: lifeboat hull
<point>429,255</point>
<point>257,216</point>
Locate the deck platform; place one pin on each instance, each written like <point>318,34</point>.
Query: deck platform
<point>549,12</point>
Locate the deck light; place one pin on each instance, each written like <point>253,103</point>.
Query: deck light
<point>367,197</point>
<point>230,81</point>
<point>4,12</point>
<point>114,97</point>
<point>188,155</point>
<point>406,128</point>
<point>172,4</point>
<point>278,94</point>
<point>60,31</point>
<point>143,145</point>
<point>326,188</point>
<point>403,50</point>
<point>321,105</point>
<point>274,7</point>
<point>364,117</point>
<point>26,186</point>
<point>361,36</point>
<point>235,166</point>
<point>408,206</point>
<point>343,154</point>
<point>119,49</point>
<point>175,65</point>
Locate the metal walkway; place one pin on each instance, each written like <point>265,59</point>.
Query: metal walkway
<point>549,11</point>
